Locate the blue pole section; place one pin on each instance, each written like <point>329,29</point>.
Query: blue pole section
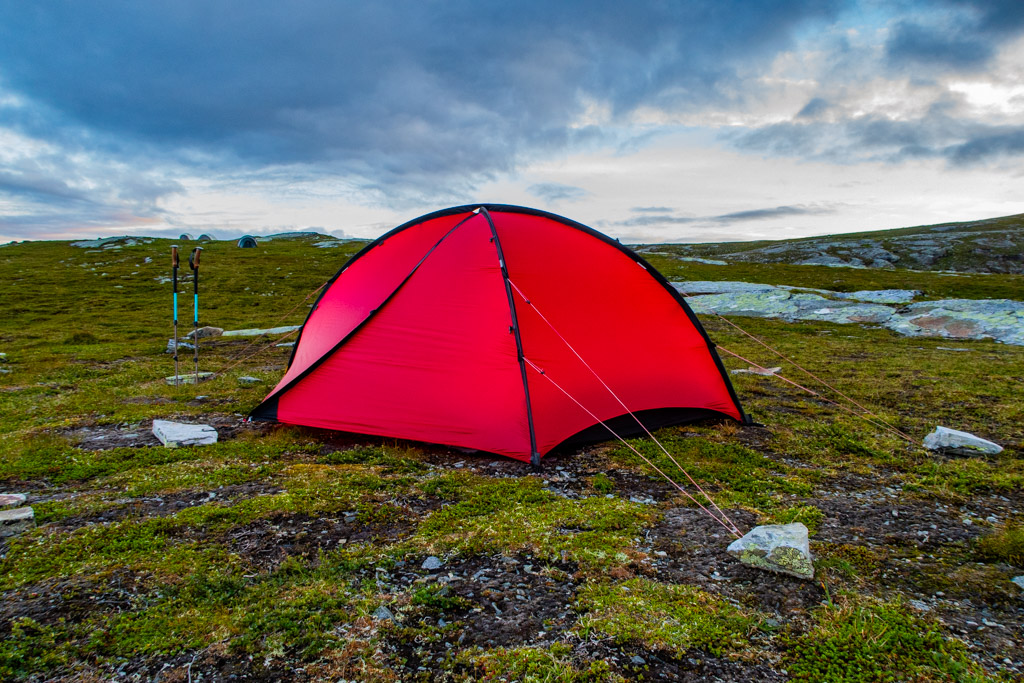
<point>195,304</point>
<point>175,308</point>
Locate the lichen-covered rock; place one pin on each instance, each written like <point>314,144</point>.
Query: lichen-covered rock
<point>11,499</point>
<point>781,548</point>
<point>175,434</point>
<point>257,332</point>
<point>16,521</point>
<point>955,441</point>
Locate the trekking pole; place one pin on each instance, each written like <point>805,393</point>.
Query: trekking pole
<point>193,262</point>
<point>174,277</point>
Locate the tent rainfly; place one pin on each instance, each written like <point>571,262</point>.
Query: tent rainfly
<point>247,242</point>
<point>501,329</point>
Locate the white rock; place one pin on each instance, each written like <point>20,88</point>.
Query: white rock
<point>175,434</point>
<point>945,439</point>
<point>432,563</point>
<point>188,377</point>
<point>9,499</point>
<point>16,521</point>
<point>256,333</point>
<point>248,381</point>
<point>781,548</point>
<point>1019,581</point>
<point>756,371</point>
<point>204,332</point>
<point>182,345</point>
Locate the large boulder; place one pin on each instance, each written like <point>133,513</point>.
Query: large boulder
<point>963,443</point>
<point>782,548</point>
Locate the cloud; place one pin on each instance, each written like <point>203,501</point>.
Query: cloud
<point>416,99</point>
<point>666,219</point>
<point>954,34</point>
<point>557,192</point>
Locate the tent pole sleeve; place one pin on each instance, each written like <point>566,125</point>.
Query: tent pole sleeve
<point>534,453</point>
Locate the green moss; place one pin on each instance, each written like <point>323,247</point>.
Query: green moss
<point>553,664</point>
<point>738,476</point>
<point>1004,545</point>
<point>850,561</point>
<point>675,618</point>
<point>810,516</point>
<point>31,647</point>
<point>867,642</point>
<point>602,483</point>
<point>513,515</point>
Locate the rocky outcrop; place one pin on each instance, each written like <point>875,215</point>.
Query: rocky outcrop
<point>989,246</point>
<point>998,319</point>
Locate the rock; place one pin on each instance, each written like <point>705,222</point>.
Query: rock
<point>256,333</point>
<point>781,548</point>
<point>432,563</point>
<point>182,344</point>
<point>1018,581</point>
<point>204,332</point>
<point>881,296</point>
<point>9,499</point>
<point>756,371</point>
<point>954,441</point>
<point>382,613</point>
<point>286,345</point>
<point>637,660</point>
<point>246,381</point>
<point>3,357</point>
<point>189,378</point>
<point>175,434</point>
<point>16,521</point>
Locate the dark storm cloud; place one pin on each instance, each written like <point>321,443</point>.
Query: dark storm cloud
<point>667,218</point>
<point>961,143</point>
<point>420,93</point>
<point>956,34</point>
<point>556,192</point>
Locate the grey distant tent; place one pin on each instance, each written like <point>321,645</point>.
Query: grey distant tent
<point>247,242</point>
<point>205,238</point>
<point>185,237</point>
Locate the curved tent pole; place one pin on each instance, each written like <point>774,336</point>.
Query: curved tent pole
<point>534,453</point>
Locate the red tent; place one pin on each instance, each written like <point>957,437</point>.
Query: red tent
<point>502,329</point>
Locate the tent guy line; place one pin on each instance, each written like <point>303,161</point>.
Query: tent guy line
<point>529,302</point>
<point>730,527</point>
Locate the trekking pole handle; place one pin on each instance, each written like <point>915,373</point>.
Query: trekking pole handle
<point>174,256</point>
<point>193,259</point>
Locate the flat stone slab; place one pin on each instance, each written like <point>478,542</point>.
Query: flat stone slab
<point>9,499</point>
<point>256,332</point>
<point>955,441</point>
<point>16,521</point>
<point>1019,581</point>
<point>781,548</point>
<point>432,563</point>
<point>175,434</point>
<point>189,378</point>
<point>249,381</point>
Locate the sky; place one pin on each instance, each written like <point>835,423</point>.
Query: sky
<point>685,121</point>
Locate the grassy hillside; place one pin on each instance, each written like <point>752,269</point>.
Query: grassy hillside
<point>271,554</point>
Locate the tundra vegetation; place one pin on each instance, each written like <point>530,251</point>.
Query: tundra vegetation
<point>285,552</point>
